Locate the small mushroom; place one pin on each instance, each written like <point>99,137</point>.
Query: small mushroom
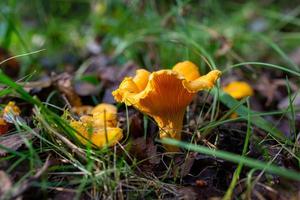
<point>12,108</point>
<point>105,115</point>
<point>165,94</point>
<point>100,128</point>
<point>238,89</point>
<point>9,111</point>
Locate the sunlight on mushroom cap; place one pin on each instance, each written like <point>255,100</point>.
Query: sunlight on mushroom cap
<point>100,127</point>
<point>104,107</point>
<point>188,69</point>
<point>97,136</point>
<point>82,110</point>
<point>165,97</point>
<point>141,78</point>
<point>238,89</point>
<point>104,115</point>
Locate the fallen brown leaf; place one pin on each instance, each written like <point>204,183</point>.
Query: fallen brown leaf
<point>10,67</point>
<point>13,142</point>
<point>144,149</point>
<point>3,126</point>
<point>269,88</point>
<point>5,183</point>
<point>86,89</point>
<point>64,84</point>
<point>187,164</point>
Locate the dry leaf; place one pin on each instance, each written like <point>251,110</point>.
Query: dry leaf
<point>86,89</point>
<point>5,183</point>
<point>145,149</point>
<point>14,141</point>
<point>3,126</point>
<point>64,85</point>
<point>10,67</point>
<point>187,164</point>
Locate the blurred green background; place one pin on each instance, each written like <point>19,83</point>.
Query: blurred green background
<point>154,34</point>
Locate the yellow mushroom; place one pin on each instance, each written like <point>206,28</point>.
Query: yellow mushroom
<point>82,110</point>
<point>12,108</point>
<point>166,95</point>
<point>105,115</point>
<point>100,128</point>
<point>188,69</point>
<point>96,135</point>
<point>104,107</point>
<point>238,89</point>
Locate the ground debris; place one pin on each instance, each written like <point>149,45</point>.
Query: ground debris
<point>5,183</point>
<point>10,67</point>
<point>145,150</point>
<point>14,141</point>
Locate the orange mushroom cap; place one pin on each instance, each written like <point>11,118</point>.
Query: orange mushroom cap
<point>238,89</point>
<point>188,69</point>
<point>165,96</point>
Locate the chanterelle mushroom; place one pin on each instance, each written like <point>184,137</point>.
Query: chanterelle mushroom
<point>165,94</point>
<point>100,128</point>
<point>238,89</point>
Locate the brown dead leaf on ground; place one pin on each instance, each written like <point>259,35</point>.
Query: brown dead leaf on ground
<point>13,141</point>
<point>4,126</point>
<point>11,67</point>
<point>26,184</point>
<point>269,88</point>
<point>63,82</point>
<point>184,163</point>
<point>194,193</point>
<point>145,149</point>
<point>86,89</point>
<point>5,183</point>
<point>64,194</point>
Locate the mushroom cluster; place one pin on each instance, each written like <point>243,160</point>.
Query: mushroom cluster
<point>99,126</point>
<point>165,94</point>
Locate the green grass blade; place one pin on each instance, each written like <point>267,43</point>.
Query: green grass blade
<point>25,95</point>
<point>261,64</point>
<point>255,120</point>
<point>236,175</point>
<point>274,46</point>
<point>250,162</point>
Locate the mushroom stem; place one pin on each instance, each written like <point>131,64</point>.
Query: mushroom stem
<point>170,127</point>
